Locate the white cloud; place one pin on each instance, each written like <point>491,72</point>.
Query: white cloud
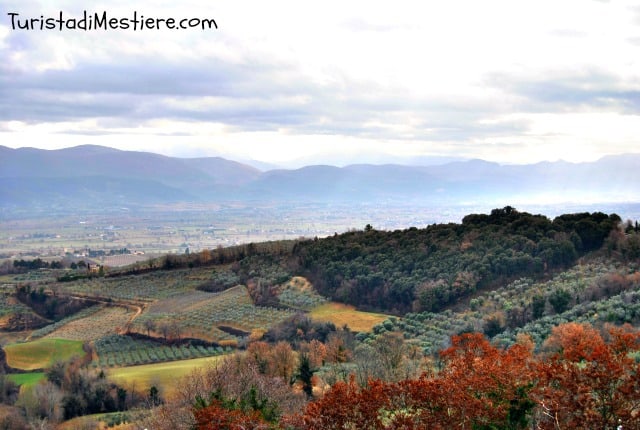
<point>282,80</point>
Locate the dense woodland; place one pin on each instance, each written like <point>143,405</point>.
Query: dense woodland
<point>429,269</point>
<point>417,269</point>
<point>507,320</point>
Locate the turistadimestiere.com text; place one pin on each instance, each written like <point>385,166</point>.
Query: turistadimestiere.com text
<point>103,21</point>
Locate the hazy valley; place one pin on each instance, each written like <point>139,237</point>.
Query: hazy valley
<point>91,177</point>
<point>123,272</point>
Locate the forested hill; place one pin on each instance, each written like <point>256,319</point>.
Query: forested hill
<point>428,269</point>
<point>416,270</point>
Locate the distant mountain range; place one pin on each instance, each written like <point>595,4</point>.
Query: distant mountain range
<point>95,175</point>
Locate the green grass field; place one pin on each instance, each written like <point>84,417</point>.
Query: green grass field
<point>41,353</point>
<point>27,380</point>
<point>165,375</point>
<point>97,421</point>
<point>341,314</point>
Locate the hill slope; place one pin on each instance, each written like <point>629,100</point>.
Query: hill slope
<point>98,174</point>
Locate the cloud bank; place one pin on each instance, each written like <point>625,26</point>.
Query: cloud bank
<point>285,80</point>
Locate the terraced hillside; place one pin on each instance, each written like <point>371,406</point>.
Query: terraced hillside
<point>199,314</point>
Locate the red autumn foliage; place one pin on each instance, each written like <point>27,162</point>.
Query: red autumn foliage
<point>486,386</point>
<point>586,381</point>
<point>346,405</point>
<point>217,417</point>
<point>479,386</point>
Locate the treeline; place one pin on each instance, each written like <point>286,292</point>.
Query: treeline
<point>209,257</point>
<point>428,269</point>
<point>581,378</point>
<point>50,306</point>
<point>266,382</point>
<point>412,270</point>
<point>597,291</point>
<point>71,389</point>
<point>36,264</point>
<point>79,269</point>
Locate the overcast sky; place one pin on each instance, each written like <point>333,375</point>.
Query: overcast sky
<point>295,82</point>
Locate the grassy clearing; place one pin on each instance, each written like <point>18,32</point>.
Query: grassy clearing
<point>98,422</point>
<point>27,380</point>
<point>41,353</point>
<point>341,314</point>
<point>164,375</point>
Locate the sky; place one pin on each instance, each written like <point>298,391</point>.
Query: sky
<point>294,83</point>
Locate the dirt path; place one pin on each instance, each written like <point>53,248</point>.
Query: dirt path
<point>125,329</point>
<point>137,306</point>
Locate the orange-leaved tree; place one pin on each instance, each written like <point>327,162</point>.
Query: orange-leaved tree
<point>217,416</point>
<point>346,406</point>
<point>480,386</point>
<point>588,382</point>
<point>487,387</point>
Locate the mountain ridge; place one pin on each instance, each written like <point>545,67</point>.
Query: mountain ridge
<point>117,176</point>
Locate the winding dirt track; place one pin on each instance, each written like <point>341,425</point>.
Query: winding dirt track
<point>137,306</point>
<point>125,329</point>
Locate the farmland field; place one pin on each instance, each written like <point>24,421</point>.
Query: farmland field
<point>48,329</point>
<point>41,353</point>
<point>101,323</point>
<point>122,351</point>
<point>171,228</point>
<point>148,286</point>
<point>164,374</point>
<point>27,380</point>
<point>102,421</point>
<point>341,314</point>
<point>200,314</point>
